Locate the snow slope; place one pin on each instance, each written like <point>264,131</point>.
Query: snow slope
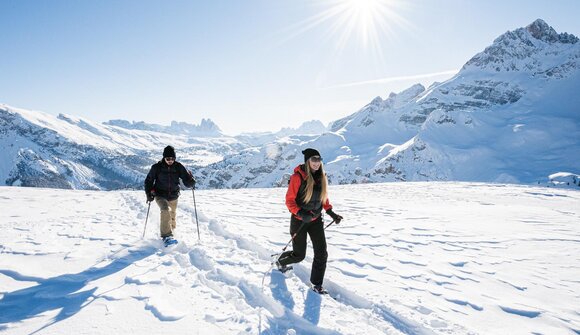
<point>409,258</point>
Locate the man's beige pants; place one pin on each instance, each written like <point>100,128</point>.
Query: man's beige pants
<point>168,211</point>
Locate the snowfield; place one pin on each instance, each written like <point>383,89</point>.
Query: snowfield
<point>409,258</point>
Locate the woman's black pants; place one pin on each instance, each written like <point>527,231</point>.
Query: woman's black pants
<point>315,230</point>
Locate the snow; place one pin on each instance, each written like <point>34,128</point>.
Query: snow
<point>564,179</point>
<point>409,258</point>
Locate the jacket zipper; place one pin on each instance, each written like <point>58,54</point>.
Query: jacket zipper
<point>169,173</point>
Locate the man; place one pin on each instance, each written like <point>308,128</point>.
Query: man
<point>162,185</point>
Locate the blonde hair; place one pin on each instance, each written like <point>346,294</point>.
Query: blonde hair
<point>309,189</point>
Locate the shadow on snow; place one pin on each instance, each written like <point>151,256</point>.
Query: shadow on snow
<point>308,324</point>
<point>64,292</point>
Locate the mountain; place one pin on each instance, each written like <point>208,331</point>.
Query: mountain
<point>313,127</point>
<point>69,152</point>
<point>207,128</point>
<point>41,150</point>
<point>509,115</point>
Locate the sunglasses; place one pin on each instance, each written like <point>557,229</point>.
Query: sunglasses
<point>170,159</point>
<point>316,159</point>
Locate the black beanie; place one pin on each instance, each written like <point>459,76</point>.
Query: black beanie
<point>309,153</point>
<point>168,152</point>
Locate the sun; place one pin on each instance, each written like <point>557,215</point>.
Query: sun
<point>370,23</point>
<point>365,14</point>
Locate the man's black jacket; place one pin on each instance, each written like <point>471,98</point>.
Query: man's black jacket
<point>163,180</point>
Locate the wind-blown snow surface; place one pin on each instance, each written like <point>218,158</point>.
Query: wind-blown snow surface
<point>409,258</point>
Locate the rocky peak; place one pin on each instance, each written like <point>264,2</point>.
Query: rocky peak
<point>376,101</point>
<point>536,48</point>
<point>408,95</point>
<point>206,128</point>
<point>540,30</point>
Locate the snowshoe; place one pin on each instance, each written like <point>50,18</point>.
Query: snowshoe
<point>319,289</point>
<point>169,240</point>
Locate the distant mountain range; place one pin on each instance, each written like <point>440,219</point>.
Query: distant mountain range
<point>511,114</point>
<point>41,150</point>
<point>207,128</point>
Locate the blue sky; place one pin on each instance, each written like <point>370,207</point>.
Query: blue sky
<point>249,65</point>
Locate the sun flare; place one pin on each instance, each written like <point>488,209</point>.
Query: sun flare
<point>368,20</point>
<point>370,23</point>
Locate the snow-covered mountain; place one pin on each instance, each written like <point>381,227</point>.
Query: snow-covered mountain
<point>511,114</point>
<point>207,128</point>
<point>70,152</point>
<point>313,127</point>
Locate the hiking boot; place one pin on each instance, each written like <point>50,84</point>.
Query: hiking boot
<point>282,268</point>
<point>319,289</point>
<point>169,240</point>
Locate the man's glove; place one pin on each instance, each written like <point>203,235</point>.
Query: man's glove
<point>305,215</point>
<point>192,182</point>
<point>150,196</point>
<point>337,218</point>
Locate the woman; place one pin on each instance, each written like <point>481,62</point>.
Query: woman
<point>305,199</point>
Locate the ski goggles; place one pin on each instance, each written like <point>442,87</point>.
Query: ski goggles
<point>316,159</point>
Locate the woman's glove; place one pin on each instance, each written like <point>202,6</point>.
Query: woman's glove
<point>337,218</point>
<point>305,215</point>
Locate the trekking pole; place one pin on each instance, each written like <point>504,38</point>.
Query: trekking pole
<point>195,209</point>
<point>296,233</point>
<point>149,207</point>
<point>293,236</point>
<point>328,225</point>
